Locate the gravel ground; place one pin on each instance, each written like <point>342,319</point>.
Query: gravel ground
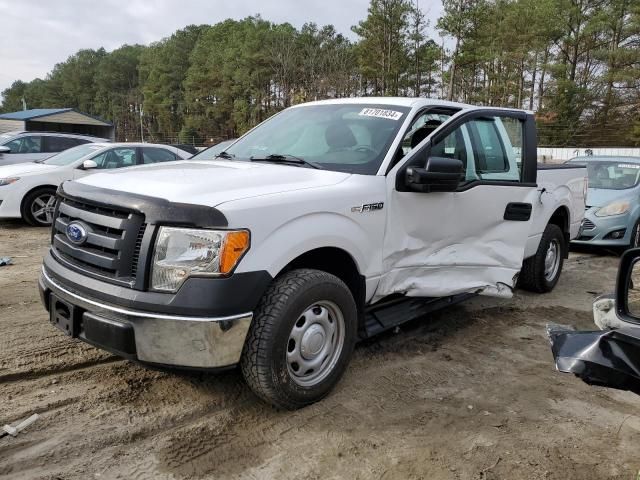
<point>468,393</point>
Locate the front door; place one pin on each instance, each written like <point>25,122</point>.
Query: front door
<point>471,240</point>
<point>118,157</point>
<point>26,148</point>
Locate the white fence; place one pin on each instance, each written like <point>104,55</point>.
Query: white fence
<point>561,154</point>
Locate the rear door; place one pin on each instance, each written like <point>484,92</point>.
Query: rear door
<point>55,144</point>
<point>157,155</point>
<point>471,240</point>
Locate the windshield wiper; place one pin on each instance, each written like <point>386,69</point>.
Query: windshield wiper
<point>285,158</point>
<point>225,155</point>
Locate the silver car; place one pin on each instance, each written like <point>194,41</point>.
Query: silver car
<point>612,217</point>
<point>23,147</point>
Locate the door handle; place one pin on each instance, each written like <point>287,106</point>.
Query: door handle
<point>518,212</point>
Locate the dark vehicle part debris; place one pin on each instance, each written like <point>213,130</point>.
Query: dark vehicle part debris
<point>609,358</point>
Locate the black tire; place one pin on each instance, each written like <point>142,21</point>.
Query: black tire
<point>533,275</point>
<point>265,362</point>
<point>29,206</point>
<point>634,242</point>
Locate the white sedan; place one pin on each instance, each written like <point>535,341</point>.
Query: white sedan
<point>28,190</point>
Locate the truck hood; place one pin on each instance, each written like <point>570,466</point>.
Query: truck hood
<point>599,197</point>
<point>211,183</point>
<point>19,169</point>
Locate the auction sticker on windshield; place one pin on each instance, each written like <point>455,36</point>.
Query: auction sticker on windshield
<point>381,113</point>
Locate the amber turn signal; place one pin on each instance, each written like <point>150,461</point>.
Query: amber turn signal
<point>235,244</point>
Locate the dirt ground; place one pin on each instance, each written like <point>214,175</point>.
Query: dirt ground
<point>469,393</point>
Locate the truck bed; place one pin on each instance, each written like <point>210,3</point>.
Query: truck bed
<point>560,185</point>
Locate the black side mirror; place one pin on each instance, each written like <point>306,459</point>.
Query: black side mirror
<point>440,174</point>
<point>628,287</point>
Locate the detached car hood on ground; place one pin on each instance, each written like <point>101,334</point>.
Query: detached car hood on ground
<point>599,197</point>
<point>24,168</point>
<point>211,183</point>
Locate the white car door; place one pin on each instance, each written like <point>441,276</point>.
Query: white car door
<point>118,157</point>
<point>25,148</point>
<point>472,239</point>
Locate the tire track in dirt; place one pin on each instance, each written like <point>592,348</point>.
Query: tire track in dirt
<point>56,370</point>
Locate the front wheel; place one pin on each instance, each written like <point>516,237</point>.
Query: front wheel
<point>541,272</point>
<point>39,206</point>
<point>301,339</point>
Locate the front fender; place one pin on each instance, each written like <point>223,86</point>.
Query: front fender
<point>283,244</point>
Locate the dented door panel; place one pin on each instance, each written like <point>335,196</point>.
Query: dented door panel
<point>440,244</point>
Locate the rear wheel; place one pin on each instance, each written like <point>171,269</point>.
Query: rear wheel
<point>38,207</point>
<point>541,272</point>
<point>301,339</point>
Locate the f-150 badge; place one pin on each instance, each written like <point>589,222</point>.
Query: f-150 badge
<point>369,207</point>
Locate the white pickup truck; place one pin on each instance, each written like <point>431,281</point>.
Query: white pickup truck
<point>329,222</point>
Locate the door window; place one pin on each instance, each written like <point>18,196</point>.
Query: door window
<point>456,145</point>
<point>157,155</point>
<point>497,147</point>
<point>116,158</point>
<point>59,144</point>
<point>26,144</point>
<point>490,148</point>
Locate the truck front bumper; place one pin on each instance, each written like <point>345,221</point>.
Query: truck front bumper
<point>148,337</point>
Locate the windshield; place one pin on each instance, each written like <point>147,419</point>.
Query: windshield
<point>211,152</point>
<point>350,138</point>
<point>610,175</point>
<point>69,156</point>
<point>6,136</point>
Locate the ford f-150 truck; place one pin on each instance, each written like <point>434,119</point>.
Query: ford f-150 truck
<point>327,223</point>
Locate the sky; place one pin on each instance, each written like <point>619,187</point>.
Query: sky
<point>37,34</point>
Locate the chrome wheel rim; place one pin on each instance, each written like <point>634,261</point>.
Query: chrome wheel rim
<point>315,343</point>
<point>43,207</point>
<point>552,260</point>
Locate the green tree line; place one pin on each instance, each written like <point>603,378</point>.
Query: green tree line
<point>576,63</point>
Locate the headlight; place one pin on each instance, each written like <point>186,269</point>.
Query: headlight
<point>614,208</point>
<point>184,252</point>
<point>8,181</point>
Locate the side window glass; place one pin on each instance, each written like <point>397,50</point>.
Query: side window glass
<point>497,147</point>
<point>456,145</point>
<point>423,126</point>
<point>27,144</point>
<point>59,144</point>
<point>116,158</point>
<point>156,155</point>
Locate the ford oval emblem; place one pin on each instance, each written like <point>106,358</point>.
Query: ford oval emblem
<point>77,233</point>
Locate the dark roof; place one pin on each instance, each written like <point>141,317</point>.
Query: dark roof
<point>33,113</point>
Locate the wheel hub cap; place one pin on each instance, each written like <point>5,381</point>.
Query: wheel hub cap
<point>315,343</point>
<point>43,208</point>
<point>552,261</point>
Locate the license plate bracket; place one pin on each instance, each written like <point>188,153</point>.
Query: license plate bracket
<point>64,316</point>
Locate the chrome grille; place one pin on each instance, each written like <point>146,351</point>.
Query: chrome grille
<point>113,243</point>
<point>588,224</point>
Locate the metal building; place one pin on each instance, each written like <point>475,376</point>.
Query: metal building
<point>65,120</point>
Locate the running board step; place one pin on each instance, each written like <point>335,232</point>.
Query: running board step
<point>386,315</point>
